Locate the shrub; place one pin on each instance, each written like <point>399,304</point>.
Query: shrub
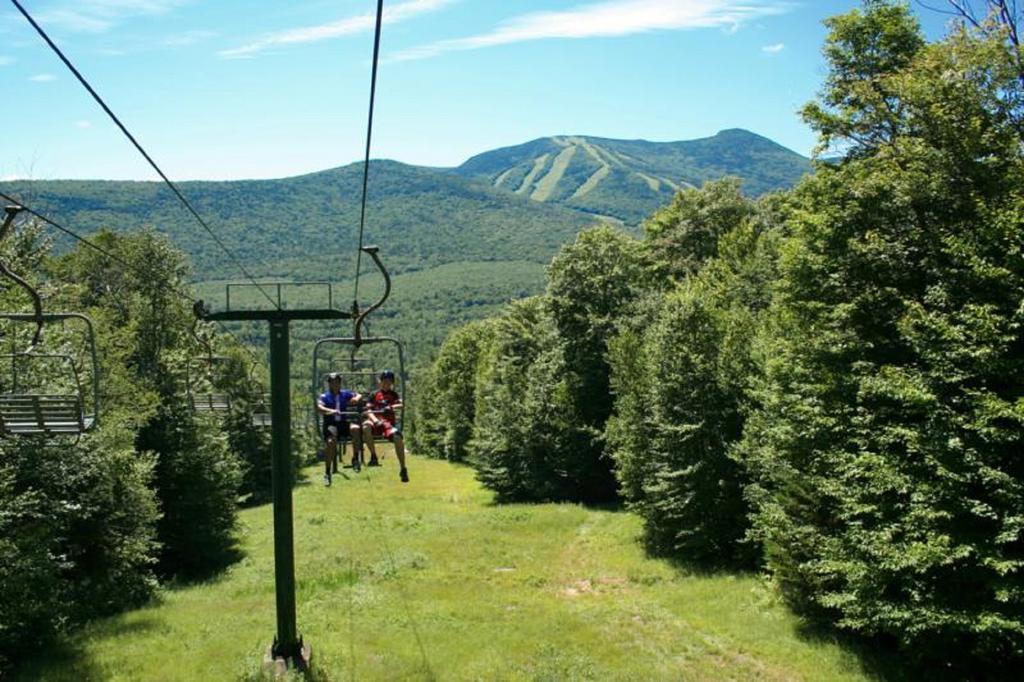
<point>77,535</point>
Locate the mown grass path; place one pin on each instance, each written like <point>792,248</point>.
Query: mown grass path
<point>431,580</point>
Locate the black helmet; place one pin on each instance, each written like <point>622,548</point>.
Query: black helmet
<point>387,374</point>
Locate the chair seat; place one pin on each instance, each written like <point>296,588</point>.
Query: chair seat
<point>211,402</point>
<point>42,414</point>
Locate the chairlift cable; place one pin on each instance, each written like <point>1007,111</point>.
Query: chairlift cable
<point>369,137</point>
<point>149,159</point>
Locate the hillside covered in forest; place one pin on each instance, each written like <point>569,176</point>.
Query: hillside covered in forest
<point>459,242</point>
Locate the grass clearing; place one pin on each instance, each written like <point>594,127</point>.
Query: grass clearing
<point>431,580</point>
<point>539,164</point>
<point>546,185</point>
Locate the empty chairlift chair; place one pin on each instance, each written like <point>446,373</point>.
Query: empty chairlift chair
<point>29,403</point>
<point>201,379</point>
<point>50,400</point>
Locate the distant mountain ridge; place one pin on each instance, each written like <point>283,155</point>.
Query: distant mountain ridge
<point>629,179</point>
<point>460,242</point>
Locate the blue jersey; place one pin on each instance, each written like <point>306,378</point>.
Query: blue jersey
<point>336,401</point>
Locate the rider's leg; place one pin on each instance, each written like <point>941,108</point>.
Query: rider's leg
<point>356,435</point>
<point>400,453</point>
<point>330,451</point>
<point>368,439</point>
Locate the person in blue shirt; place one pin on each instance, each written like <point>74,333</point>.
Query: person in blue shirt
<point>335,405</point>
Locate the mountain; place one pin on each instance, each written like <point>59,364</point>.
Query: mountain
<point>459,242</point>
<point>629,179</point>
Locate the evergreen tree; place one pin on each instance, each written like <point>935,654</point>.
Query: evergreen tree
<point>593,284</point>
<point>446,406</point>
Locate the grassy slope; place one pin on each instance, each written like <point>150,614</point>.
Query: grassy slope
<point>514,592</point>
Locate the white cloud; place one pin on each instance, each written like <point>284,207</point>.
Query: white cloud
<point>83,124</point>
<point>189,38</point>
<point>42,78</point>
<point>611,18</point>
<point>97,16</point>
<point>6,61</point>
<point>336,29</point>
<point>774,49</point>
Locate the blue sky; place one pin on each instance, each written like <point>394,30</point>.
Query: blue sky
<point>232,89</point>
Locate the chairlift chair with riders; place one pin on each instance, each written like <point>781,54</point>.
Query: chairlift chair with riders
<point>26,412</point>
<point>360,374</point>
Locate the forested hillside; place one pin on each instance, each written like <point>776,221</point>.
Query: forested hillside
<point>457,246</point>
<point>306,227</point>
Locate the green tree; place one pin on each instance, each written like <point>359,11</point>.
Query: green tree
<point>889,490</point>
<point>684,235</point>
<point>446,406</point>
<point>521,429</point>
<point>593,284</point>
<point>682,397</point>
<point>197,478</point>
<point>77,518</point>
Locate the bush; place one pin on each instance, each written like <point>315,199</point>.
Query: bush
<point>77,535</point>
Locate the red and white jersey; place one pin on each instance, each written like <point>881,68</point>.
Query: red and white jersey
<point>383,401</point>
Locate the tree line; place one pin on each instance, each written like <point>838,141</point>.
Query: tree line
<point>825,383</point>
<point>92,526</point>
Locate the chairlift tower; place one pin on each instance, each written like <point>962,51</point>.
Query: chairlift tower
<point>287,643</point>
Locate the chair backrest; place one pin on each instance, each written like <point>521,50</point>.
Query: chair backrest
<point>42,414</point>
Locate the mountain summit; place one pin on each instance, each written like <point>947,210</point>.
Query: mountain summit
<point>629,179</point>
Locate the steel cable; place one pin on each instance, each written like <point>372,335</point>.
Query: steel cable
<point>369,137</point>
<point>149,159</point>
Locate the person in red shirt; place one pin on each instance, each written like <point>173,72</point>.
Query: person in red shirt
<point>380,421</point>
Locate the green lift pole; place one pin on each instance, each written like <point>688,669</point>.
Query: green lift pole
<point>288,645</point>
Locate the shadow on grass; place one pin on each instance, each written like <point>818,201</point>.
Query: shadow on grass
<point>67,660</point>
<point>879,658</point>
<point>209,570</point>
<point>59,662</point>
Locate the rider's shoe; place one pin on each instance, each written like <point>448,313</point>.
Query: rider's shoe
<point>374,462</point>
<point>404,475</point>
<point>356,465</point>
<point>327,480</point>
